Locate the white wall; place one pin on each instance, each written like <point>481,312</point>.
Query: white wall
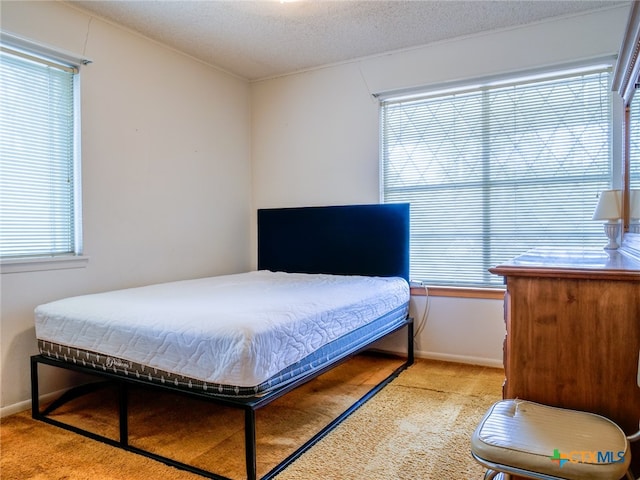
<point>166,173</point>
<point>315,139</point>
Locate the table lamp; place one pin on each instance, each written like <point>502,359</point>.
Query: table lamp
<point>609,209</point>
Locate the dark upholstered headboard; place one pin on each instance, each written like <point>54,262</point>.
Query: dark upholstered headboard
<point>370,240</point>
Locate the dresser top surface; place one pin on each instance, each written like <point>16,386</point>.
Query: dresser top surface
<point>573,262</point>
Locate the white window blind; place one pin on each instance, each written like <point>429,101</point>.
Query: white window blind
<point>37,169</point>
<point>494,171</point>
<point>634,143</point>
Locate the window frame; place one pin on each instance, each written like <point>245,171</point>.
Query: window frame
<point>616,146</point>
<point>625,82</point>
<point>76,259</point>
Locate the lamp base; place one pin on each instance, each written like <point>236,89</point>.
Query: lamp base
<point>612,230</point>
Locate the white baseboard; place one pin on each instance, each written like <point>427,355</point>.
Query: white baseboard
<point>446,357</point>
<point>15,408</point>
<point>26,405</point>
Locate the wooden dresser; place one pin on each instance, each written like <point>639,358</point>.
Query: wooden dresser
<point>573,331</point>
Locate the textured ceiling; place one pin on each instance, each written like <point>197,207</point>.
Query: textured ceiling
<point>262,39</point>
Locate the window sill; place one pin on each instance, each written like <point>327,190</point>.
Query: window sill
<point>459,292</point>
<point>38,264</point>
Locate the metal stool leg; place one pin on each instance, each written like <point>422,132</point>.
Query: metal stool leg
<point>494,475</point>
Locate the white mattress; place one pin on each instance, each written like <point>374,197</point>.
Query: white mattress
<point>235,329</point>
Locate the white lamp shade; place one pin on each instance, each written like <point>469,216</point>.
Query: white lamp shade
<point>609,205</point>
<point>634,204</point>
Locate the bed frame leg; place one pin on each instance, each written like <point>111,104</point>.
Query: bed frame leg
<point>123,408</point>
<point>410,353</point>
<point>250,442</point>
<point>35,394</point>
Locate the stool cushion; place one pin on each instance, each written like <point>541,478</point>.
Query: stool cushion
<point>555,441</point>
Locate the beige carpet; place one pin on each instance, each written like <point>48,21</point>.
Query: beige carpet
<point>418,427</point>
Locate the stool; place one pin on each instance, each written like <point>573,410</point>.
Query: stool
<point>530,440</point>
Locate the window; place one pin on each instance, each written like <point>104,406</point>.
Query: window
<point>634,144</point>
<point>495,170</point>
<point>39,181</point>
<point>634,165</point>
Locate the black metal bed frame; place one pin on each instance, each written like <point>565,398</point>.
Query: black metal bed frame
<point>249,405</point>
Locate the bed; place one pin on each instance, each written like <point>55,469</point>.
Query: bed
<point>330,282</point>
